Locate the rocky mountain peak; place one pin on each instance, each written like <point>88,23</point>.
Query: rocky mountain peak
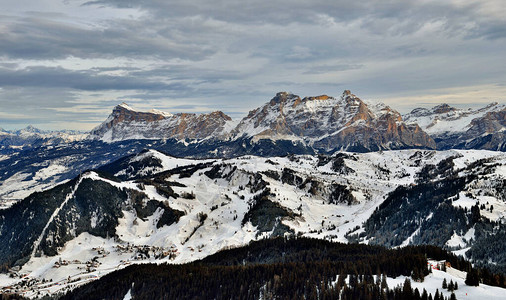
<point>124,113</point>
<point>419,112</point>
<point>322,122</point>
<point>327,122</point>
<point>471,128</point>
<point>492,123</point>
<point>126,123</point>
<point>123,105</point>
<point>283,98</point>
<point>220,115</point>
<point>351,99</point>
<point>30,129</point>
<point>316,98</point>
<point>443,108</point>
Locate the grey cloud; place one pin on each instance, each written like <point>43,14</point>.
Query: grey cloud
<point>34,103</point>
<point>39,38</point>
<point>322,69</point>
<point>380,17</point>
<point>276,12</point>
<point>8,65</point>
<point>184,106</point>
<point>32,99</point>
<point>81,80</point>
<point>490,30</point>
<point>180,72</point>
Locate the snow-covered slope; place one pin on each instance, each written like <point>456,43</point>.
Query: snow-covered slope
<point>433,283</point>
<point>178,210</point>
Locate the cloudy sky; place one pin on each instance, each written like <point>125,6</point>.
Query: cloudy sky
<point>67,63</point>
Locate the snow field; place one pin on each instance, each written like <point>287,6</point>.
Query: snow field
<point>225,202</point>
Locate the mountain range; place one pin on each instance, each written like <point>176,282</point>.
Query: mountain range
<point>155,187</point>
<point>323,123</point>
<point>320,124</point>
<point>31,137</point>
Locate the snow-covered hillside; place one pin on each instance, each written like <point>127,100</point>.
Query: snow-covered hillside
<point>179,210</point>
<point>433,282</point>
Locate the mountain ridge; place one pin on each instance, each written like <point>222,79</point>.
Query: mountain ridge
<point>322,122</point>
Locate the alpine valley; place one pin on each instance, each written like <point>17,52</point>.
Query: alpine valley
<point>315,198</point>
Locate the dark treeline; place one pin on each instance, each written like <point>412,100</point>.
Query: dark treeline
<point>316,280</point>
<point>276,268</point>
<point>11,297</point>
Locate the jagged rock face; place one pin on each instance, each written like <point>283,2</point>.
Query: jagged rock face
<point>122,113</point>
<point>487,132</point>
<point>330,124</point>
<point>201,126</point>
<point>443,109</point>
<point>450,127</point>
<point>491,122</point>
<point>125,123</point>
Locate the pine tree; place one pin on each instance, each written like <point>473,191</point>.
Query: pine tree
<point>407,291</point>
<point>451,287</point>
<point>384,284</point>
<point>472,278</point>
<point>453,297</point>
<point>456,286</point>
<point>445,285</point>
<point>417,294</point>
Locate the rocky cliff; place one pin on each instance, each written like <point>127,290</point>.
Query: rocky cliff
<point>125,123</point>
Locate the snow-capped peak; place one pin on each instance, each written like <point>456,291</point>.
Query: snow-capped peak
<point>125,106</point>
<point>159,112</point>
<point>30,129</point>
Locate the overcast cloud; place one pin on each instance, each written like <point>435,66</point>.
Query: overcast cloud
<point>67,63</point>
